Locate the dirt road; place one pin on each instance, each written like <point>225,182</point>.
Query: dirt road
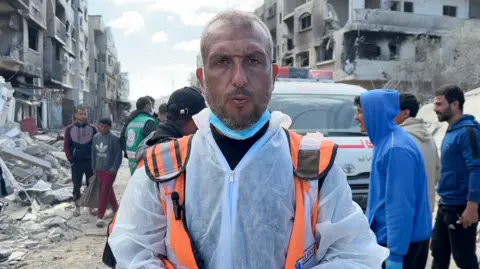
<point>85,252</point>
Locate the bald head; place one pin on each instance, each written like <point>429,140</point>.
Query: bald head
<point>236,20</point>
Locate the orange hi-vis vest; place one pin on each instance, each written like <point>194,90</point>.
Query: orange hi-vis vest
<point>165,164</point>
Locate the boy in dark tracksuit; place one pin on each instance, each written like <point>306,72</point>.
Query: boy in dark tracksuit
<point>455,227</point>
<point>106,160</point>
<point>78,149</point>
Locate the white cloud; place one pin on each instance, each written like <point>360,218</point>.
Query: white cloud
<point>130,21</point>
<point>127,2</point>
<point>147,81</point>
<point>190,46</point>
<point>190,11</point>
<point>159,37</point>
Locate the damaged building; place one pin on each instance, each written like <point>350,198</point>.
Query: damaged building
<point>108,96</point>
<point>361,41</point>
<point>45,55</point>
<point>22,28</point>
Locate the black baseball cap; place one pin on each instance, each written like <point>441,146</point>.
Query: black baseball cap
<point>187,101</point>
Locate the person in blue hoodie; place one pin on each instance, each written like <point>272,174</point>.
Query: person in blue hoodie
<point>398,209</point>
<point>455,227</point>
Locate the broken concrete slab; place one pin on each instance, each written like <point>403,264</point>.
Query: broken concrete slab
<point>52,160</point>
<point>9,229</point>
<point>22,173</point>
<point>30,216</point>
<point>55,231</point>
<point>66,215</point>
<point>32,227</point>
<point>30,244</point>
<point>60,155</point>
<point>37,150</point>
<point>19,213</point>
<point>56,196</point>
<point>16,256</point>
<point>53,222</point>
<point>55,238</point>
<point>4,254</point>
<point>19,155</point>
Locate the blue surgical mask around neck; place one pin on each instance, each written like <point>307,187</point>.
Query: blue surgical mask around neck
<point>239,134</point>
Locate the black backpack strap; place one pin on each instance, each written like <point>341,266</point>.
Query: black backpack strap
<point>473,142</point>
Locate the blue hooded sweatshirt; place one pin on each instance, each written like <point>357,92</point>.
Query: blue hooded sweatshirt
<point>398,209</point>
<point>460,180</point>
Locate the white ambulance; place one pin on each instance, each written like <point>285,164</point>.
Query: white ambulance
<point>316,104</point>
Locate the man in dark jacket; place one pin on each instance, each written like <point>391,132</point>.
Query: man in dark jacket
<point>455,227</point>
<point>182,105</point>
<point>78,149</point>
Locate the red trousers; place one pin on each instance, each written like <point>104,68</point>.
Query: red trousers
<point>107,195</point>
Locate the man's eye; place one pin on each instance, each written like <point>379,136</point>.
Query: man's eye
<point>253,61</point>
<point>222,61</point>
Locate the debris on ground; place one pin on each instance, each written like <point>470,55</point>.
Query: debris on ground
<point>37,209</point>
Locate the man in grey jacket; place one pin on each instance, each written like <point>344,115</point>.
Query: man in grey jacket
<point>409,107</point>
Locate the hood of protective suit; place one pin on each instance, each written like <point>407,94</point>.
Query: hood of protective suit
<point>379,109</point>
<point>417,128</point>
<point>277,117</point>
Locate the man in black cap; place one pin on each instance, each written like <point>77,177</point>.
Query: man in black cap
<point>182,105</point>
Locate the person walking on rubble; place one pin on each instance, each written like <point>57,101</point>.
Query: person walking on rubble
<point>242,192</point>
<point>397,207</point>
<point>455,229</point>
<point>78,150</point>
<point>106,160</point>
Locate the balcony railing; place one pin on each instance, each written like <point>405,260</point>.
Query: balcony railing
<point>33,62</point>
<point>11,53</point>
<point>35,13</point>
<point>19,4</point>
<point>364,19</point>
<point>60,30</point>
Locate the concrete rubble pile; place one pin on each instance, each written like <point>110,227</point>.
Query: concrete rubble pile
<point>38,209</point>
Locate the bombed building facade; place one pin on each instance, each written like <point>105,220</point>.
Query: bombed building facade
<point>361,41</point>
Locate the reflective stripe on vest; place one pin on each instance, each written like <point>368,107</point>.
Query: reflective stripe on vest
<point>311,159</point>
<point>111,225</point>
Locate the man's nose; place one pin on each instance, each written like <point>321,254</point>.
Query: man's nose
<point>239,77</point>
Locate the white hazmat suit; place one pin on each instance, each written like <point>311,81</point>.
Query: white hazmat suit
<point>243,218</point>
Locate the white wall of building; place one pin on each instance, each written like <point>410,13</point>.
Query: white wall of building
<point>426,7</point>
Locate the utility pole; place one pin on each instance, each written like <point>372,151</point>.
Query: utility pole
<point>173,85</point>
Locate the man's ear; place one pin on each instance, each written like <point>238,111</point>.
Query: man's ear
<point>200,77</point>
<point>455,104</point>
<point>274,72</point>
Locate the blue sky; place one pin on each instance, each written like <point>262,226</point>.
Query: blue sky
<point>158,40</point>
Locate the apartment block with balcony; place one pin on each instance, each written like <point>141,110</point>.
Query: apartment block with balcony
<point>22,26</point>
<point>360,40</point>
<point>376,39</point>
<point>80,45</point>
<point>105,76</point>
<point>268,13</point>
<point>124,87</point>
<point>59,56</point>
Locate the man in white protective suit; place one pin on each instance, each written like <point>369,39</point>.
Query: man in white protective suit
<point>242,192</point>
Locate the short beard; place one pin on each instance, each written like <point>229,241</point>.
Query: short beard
<point>217,107</point>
